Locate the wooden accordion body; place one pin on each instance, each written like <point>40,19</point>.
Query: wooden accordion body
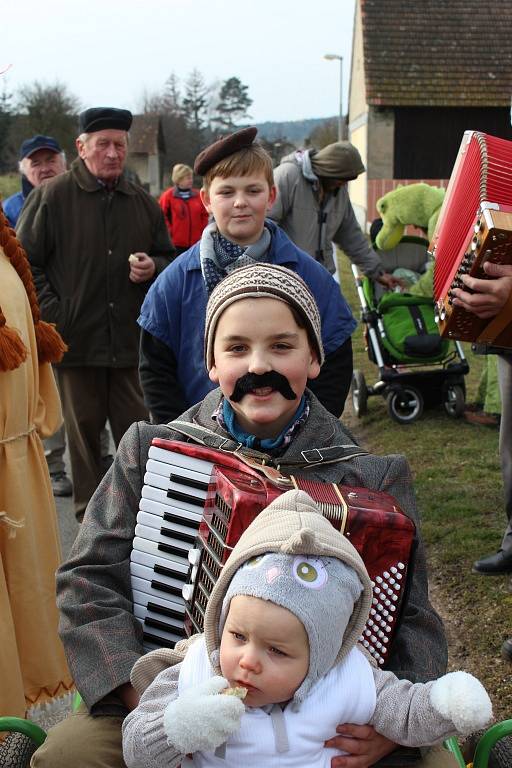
<point>474,226</point>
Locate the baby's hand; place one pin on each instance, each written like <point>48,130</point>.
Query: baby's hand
<point>202,718</point>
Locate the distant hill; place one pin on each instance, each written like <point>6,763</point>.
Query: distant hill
<point>295,131</point>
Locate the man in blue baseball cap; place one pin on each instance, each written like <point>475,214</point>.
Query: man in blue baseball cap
<point>40,159</point>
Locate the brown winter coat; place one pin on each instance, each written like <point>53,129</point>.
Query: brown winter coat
<point>78,238</point>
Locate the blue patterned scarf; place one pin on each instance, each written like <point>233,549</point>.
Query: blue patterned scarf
<point>219,256</point>
<point>226,417</point>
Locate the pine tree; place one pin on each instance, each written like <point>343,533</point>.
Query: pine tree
<point>195,101</point>
<point>171,99</point>
<point>6,118</point>
<point>234,101</point>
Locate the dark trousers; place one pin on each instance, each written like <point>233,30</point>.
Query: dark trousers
<point>505,381</point>
<point>89,397</point>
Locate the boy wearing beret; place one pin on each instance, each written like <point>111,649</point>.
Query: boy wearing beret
<point>262,343</point>
<point>238,191</point>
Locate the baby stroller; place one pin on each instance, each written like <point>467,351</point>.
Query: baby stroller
<point>416,366</point>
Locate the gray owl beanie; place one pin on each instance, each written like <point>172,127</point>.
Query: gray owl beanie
<point>292,556</point>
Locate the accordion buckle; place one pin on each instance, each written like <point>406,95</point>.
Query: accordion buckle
<point>271,473</point>
<point>312,456</point>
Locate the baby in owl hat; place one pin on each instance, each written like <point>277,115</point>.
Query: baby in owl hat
<point>281,630</point>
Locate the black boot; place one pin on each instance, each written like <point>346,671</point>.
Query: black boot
<point>493,565</point>
<point>506,649</point>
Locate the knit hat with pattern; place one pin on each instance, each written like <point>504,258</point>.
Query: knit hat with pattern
<point>263,281</point>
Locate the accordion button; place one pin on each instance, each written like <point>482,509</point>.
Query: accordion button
<point>187,592</point>
<point>393,569</point>
<point>194,555</point>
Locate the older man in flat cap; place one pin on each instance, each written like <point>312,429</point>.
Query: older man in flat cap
<point>314,209</point>
<point>95,242</point>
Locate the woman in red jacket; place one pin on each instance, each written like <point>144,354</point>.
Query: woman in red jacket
<point>184,213</point>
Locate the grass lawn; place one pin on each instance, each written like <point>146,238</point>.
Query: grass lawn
<point>9,184</point>
<point>458,484</point>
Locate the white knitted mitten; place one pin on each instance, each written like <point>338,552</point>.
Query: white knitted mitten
<point>461,698</point>
<point>202,718</point>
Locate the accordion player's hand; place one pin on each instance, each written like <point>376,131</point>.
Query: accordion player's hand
<point>202,718</point>
<point>486,298</point>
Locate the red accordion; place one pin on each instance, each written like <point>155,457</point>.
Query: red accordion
<point>195,504</point>
<point>474,226</point>
<point>382,534</point>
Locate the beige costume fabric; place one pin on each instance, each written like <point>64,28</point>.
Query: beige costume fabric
<point>34,677</point>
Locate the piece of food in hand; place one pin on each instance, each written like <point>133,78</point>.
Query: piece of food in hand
<point>238,691</point>
<point>133,259</point>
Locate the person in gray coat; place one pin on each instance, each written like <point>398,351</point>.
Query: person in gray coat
<point>314,209</point>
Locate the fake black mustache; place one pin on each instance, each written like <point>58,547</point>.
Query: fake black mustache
<point>272,379</point>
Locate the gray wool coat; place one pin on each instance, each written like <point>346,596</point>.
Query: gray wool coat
<point>101,636</point>
<point>297,210</point>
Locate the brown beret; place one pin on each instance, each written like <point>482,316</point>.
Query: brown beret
<point>222,148</point>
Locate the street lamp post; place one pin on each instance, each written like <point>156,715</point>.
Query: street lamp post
<point>335,57</point>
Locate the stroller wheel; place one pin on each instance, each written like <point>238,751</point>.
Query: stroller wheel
<point>405,404</point>
<point>501,753</point>
<point>359,393</point>
<point>454,401</point>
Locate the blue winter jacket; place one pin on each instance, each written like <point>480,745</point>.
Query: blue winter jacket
<point>175,306</point>
<point>12,207</point>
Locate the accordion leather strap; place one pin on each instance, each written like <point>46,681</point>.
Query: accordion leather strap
<point>257,459</point>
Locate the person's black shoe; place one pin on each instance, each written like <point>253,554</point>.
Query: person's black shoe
<point>493,565</point>
<point>506,649</point>
<point>61,484</point>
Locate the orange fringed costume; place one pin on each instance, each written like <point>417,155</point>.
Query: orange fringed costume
<point>34,678</point>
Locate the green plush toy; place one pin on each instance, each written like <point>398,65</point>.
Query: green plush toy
<point>416,204</point>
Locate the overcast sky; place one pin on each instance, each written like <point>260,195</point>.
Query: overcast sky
<point>108,52</point>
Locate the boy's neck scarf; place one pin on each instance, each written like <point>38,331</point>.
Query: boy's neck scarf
<point>226,417</point>
<point>219,256</point>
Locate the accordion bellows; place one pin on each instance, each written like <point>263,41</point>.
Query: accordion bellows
<point>474,226</point>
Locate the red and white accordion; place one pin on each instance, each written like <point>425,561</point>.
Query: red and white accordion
<point>474,226</point>
<point>195,504</point>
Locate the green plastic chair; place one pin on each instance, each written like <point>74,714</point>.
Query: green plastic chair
<point>480,760</point>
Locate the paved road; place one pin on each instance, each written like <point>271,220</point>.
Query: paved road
<point>68,525</point>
